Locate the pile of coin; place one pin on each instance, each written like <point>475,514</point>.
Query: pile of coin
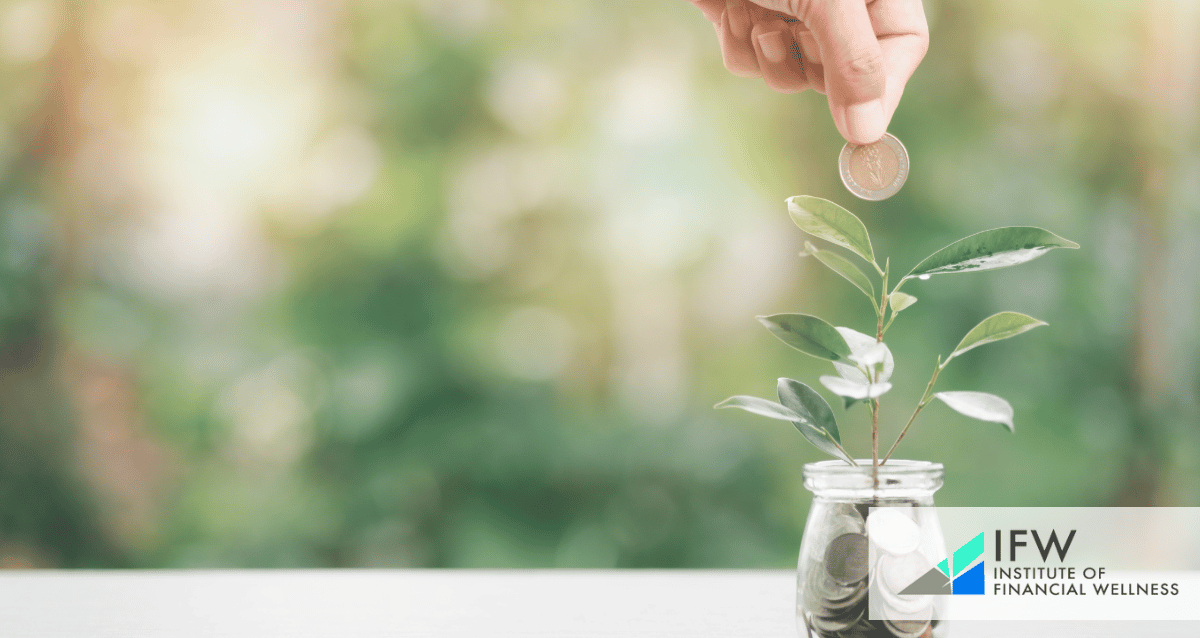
<point>839,600</point>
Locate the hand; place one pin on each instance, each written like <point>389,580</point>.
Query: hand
<point>860,53</point>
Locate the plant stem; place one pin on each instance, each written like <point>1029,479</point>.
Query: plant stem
<point>883,306</point>
<point>920,406</point>
<point>879,323</point>
<point>875,442</point>
<point>889,296</point>
<point>889,323</point>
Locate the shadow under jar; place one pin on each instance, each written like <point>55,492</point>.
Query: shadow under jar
<point>854,560</point>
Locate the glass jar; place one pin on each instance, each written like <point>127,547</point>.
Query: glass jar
<point>855,560</point>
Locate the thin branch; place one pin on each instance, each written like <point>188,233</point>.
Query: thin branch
<point>889,322</point>
<point>875,441</point>
<point>920,406</point>
<point>875,433</point>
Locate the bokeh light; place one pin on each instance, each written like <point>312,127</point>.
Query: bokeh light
<point>457,283</point>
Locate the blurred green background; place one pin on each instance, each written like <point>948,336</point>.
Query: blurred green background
<point>457,282</point>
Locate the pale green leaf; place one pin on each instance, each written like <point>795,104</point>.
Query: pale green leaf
<point>860,344</point>
<point>997,248</point>
<point>808,334</point>
<point>899,301</point>
<point>761,407</point>
<point>845,268</point>
<point>979,405</point>
<point>817,423</point>
<point>854,390</point>
<point>872,356</point>
<point>1001,325</point>
<point>826,220</point>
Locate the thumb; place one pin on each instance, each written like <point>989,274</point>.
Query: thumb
<point>854,67</point>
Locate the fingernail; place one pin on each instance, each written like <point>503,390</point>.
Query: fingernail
<point>773,46</point>
<point>865,122</point>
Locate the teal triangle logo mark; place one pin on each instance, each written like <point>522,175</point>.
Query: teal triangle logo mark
<point>965,555</point>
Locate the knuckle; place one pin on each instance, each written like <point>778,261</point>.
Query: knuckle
<point>802,9</point>
<point>862,67</point>
<point>739,59</point>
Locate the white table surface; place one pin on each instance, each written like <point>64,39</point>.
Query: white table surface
<point>436,603</point>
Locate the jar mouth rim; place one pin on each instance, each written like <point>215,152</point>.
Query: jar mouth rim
<point>894,467</point>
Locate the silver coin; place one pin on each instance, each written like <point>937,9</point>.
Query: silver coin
<point>846,558</point>
<point>908,628</point>
<point>860,631</point>
<point>834,625</point>
<point>893,530</point>
<point>821,589</point>
<point>841,607</point>
<point>875,171</point>
<point>822,600</point>
<point>905,621</point>
<point>839,519</point>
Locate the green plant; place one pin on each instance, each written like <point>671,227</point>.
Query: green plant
<point>863,363</point>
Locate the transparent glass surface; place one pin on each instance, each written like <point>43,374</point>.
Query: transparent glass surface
<point>837,592</point>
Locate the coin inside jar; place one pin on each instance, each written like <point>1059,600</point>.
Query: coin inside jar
<point>874,171</point>
<point>846,558</point>
<point>892,531</point>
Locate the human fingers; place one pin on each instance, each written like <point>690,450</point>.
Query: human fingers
<point>778,56</point>
<point>902,55</point>
<point>903,36</point>
<point>815,74</point>
<point>810,56</point>
<point>712,9</point>
<point>734,34</point>
<point>855,75</point>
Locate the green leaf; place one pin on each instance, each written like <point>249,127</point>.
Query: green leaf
<point>1001,325</point>
<point>899,301</point>
<point>816,423</point>
<point>808,334</point>
<point>845,268</point>
<point>761,407</point>
<point>811,407</point>
<point>826,220</point>
<point>810,415</point>
<point>990,249</point>
<point>979,405</point>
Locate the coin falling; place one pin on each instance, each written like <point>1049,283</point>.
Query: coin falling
<point>874,171</point>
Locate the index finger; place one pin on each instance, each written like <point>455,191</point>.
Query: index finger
<point>712,9</point>
<point>903,33</point>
